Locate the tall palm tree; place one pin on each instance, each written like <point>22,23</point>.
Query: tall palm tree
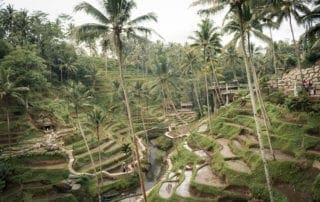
<point>231,60</point>
<point>251,27</point>
<point>208,40</point>
<point>9,91</point>
<point>271,24</point>
<point>289,10</point>
<point>115,18</point>
<point>191,68</point>
<point>78,96</point>
<point>97,118</point>
<point>165,81</point>
<point>237,8</point>
<point>312,34</point>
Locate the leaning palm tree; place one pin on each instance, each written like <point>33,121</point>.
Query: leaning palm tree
<point>251,27</point>
<point>237,8</point>
<point>97,118</point>
<point>270,24</point>
<point>190,68</point>
<point>166,80</point>
<point>78,96</point>
<point>115,18</point>
<point>287,10</point>
<point>208,40</point>
<point>8,91</point>
<point>313,26</point>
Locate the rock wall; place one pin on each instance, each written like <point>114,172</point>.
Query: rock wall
<point>288,81</point>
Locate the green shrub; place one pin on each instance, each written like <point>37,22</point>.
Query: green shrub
<point>121,184</point>
<point>5,172</point>
<point>277,97</point>
<point>164,143</point>
<point>300,103</point>
<point>316,189</point>
<point>69,139</point>
<point>65,198</point>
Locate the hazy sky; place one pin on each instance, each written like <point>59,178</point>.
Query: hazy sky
<point>176,20</point>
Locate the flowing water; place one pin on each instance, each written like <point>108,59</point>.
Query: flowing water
<point>151,176</point>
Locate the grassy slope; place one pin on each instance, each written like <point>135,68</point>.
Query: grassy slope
<point>289,134</point>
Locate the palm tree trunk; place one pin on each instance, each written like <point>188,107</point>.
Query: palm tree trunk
<point>206,83</point>
<point>106,56</point>
<point>197,98</point>
<point>253,103</point>
<point>207,95</point>
<point>164,101</point>
<point>273,53</point>
<point>99,154</point>
<point>118,45</point>
<point>8,125</point>
<point>61,74</point>
<point>296,48</point>
<point>265,117</point>
<point>216,86</point>
<point>91,159</point>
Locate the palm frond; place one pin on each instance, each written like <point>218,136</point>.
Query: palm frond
<point>143,18</point>
<point>91,30</point>
<point>92,11</point>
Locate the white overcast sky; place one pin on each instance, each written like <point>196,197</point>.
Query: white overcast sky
<point>176,20</point>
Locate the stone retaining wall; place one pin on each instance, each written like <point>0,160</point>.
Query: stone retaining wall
<point>288,81</point>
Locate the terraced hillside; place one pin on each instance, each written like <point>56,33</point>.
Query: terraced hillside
<point>220,160</point>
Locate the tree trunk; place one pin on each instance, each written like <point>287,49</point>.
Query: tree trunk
<point>206,83</point>
<point>207,95</point>
<point>118,45</point>
<point>90,155</point>
<point>8,125</point>
<point>273,53</point>
<point>106,56</point>
<point>61,75</point>
<point>217,87</point>
<point>99,153</point>
<point>265,117</point>
<point>164,101</point>
<point>253,103</point>
<point>296,48</point>
<point>197,98</point>
<point>217,95</point>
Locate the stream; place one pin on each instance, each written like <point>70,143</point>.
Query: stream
<point>151,177</point>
